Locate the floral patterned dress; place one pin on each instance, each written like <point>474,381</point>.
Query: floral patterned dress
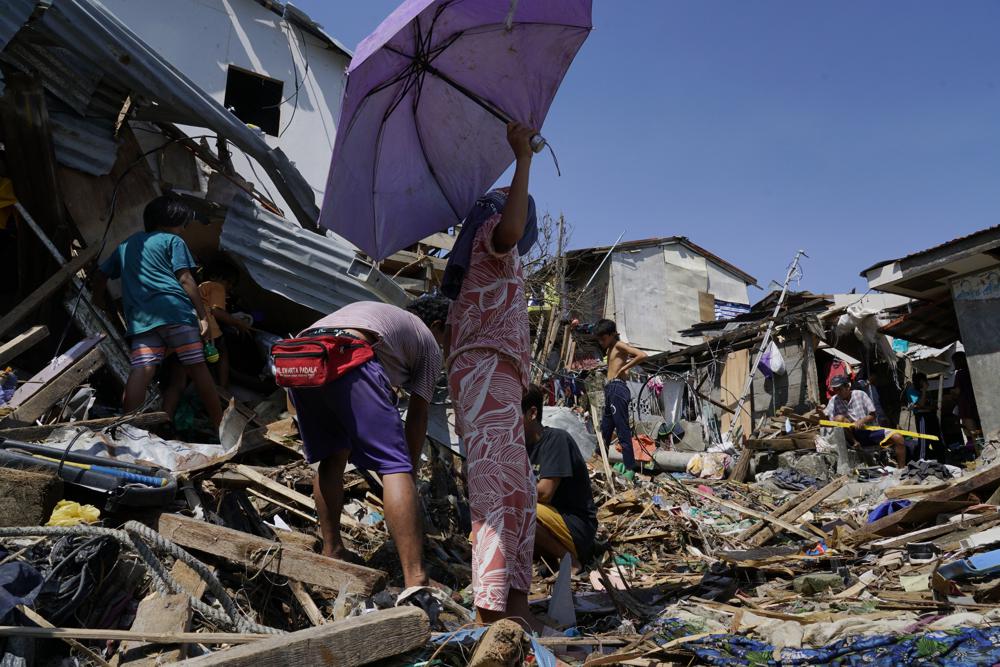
<point>488,371</point>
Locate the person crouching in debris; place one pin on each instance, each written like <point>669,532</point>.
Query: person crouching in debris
<point>621,358</point>
<point>567,516</point>
<point>354,416</point>
<point>163,308</point>
<point>488,370</point>
<point>853,406</point>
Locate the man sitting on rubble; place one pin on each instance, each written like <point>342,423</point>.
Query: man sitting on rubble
<point>855,407</point>
<point>567,517</point>
<point>355,417</point>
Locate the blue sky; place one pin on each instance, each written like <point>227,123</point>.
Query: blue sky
<point>858,131</point>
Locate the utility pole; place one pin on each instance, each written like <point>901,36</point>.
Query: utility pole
<point>561,255</point>
<point>764,344</point>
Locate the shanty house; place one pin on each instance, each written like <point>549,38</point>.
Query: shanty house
<point>655,288</point>
<point>957,284</point>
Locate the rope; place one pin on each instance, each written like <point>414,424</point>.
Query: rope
<point>132,535</point>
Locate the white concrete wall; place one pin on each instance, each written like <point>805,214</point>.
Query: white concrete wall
<point>654,292</point>
<point>201,38</point>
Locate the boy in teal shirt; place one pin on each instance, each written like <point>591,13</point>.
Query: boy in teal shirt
<point>163,307</point>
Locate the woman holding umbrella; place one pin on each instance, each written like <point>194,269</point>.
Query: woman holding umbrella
<point>488,370</point>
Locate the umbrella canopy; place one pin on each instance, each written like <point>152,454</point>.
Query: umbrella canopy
<point>419,137</point>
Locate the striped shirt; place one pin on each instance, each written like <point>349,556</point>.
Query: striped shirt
<point>405,346</point>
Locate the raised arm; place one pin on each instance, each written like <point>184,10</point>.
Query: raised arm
<point>515,211</point>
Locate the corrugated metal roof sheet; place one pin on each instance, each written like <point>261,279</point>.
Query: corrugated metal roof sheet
<point>61,71</point>
<point>13,17</point>
<point>100,43</point>
<point>982,232</point>
<point>86,144</point>
<point>280,256</point>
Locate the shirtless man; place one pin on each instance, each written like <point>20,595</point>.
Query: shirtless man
<point>622,357</point>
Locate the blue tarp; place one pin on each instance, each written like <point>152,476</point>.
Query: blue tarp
<point>961,647</point>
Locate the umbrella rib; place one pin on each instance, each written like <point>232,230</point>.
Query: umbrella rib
<point>423,152</point>
<point>378,146</point>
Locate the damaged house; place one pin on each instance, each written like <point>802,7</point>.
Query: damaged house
<point>654,288</point>
<point>956,288</point>
<point>96,122</point>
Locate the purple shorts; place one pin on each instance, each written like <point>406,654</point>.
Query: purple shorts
<point>355,412</point>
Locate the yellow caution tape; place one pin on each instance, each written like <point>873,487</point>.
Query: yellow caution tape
<point>890,431</point>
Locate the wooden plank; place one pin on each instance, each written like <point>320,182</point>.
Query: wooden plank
<point>355,641</point>
<point>308,605</point>
<point>189,580</point>
<point>37,618</point>
<point>257,552</point>
<point>41,432</point>
<point>47,289</point>
<point>52,370</point>
<point>706,306</point>
<point>158,613</point>
<point>796,511</point>
<point>53,392</point>
<point>925,534</point>
<point>779,513</point>
<point>440,240</point>
<point>922,510</point>
<point>610,478</point>
<point>758,515</point>
<point>282,490</point>
<point>165,613</point>
<point>129,635</point>
<point>21,343</point>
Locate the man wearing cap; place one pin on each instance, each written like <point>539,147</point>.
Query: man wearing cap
<point>855,407</point>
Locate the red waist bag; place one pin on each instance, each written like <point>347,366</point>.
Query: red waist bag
<point>315,361</point>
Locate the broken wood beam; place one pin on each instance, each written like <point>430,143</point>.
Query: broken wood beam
<point>164,613</point>
<point>355,641</point>
<point>260,553</point>
<point>41,432</point>
<point>57,389</point>
<point>291,494</point>
<point>758,515</point>
<point>158,613</point>
<point>794,512</point>
<point>308,605</point>
<point>37,618</point>
<point>129,635</point>
<point>21,343</point>
<point>54,283</point>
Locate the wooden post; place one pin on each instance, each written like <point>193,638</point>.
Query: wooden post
<point>355,641</point>
<point>604,451</point>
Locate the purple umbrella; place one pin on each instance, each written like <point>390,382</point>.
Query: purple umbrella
<point>422,128</point>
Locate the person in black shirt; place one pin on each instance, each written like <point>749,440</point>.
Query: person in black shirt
<point>567,517</point>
